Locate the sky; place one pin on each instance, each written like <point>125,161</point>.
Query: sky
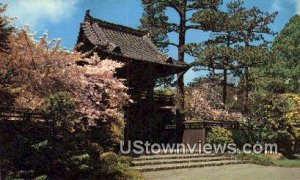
<point>62,18</point>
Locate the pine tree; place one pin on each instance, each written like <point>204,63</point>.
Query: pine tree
<point>218,53</point>
<point>253,51</point>
<point>5,30</point>
<point>156,21</point>
<point>237,45</point>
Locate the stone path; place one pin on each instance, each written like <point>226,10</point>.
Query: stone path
<point>230,172</point>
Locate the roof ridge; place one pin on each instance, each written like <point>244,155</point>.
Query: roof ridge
<point>114,26</point>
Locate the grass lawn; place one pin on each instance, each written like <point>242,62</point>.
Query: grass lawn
<point>293,162</point>
<point>267,160</point>
<point>231,172</point>
<point>287,163</point>
<point>265,168</point>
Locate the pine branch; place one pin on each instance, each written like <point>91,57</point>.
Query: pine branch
<point>168,43</point>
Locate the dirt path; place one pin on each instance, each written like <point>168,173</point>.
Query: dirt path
<point>234,172</point>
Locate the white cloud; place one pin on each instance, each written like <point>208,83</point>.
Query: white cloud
<point>36,12</point>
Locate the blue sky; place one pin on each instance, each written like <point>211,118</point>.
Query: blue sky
<point>61,18</point>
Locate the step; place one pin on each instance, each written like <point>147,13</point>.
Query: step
<point>161,167</point>
<point>176,151</point>
<point>181,160</point>
<point>174,156</point>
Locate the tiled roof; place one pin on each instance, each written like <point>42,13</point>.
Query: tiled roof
<point>123,41</point>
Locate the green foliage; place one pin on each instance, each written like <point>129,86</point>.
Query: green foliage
<point>165,91</point>
<point>59,105</point>
<point>288,163</point>
<point>117,167</point>
<point>198,81</point>
<point>272,119</point>
<point>268,107</point>
<point>60,108</point>
<point>240,137</point>
<point>268,161</point>
<point>256,158</point>
<point>281,73</point>
<point>274,112</point>
<point>81,158</point>
<point>58,149</point>
<point>236,45</point>
<point>165,82</point>
<point>293,115</point>
<point>286,47</point>
<point>219,135</point>
<point>43,177</point>
<point>156,21</point>
<point>40,145</point>
<point>76,155</point>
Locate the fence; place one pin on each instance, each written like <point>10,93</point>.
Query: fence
<point>21,115</point>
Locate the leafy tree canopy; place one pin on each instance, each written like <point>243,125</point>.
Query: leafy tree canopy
<point>281,72</point>
<point>287,48</point>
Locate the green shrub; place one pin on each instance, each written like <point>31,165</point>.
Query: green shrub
<point>59,109</point>
<point>262,159</point>
<point>219,135</point>
<point>56,150</point>
<point>240,137</point>
<point>43,177</point>
<point>256,158</point>
<point>273,119</point>
<point>117,167</point>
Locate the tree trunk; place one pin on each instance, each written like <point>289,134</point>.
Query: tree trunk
<point>180,111</point>
<point>227,59</point>
<point>180,76</point>
<point>180,89</point>
<point>246,98</point>
<point>246,88</point>
<point>225,87</point>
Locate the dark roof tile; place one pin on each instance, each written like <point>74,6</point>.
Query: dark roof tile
<point>123,41</point>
